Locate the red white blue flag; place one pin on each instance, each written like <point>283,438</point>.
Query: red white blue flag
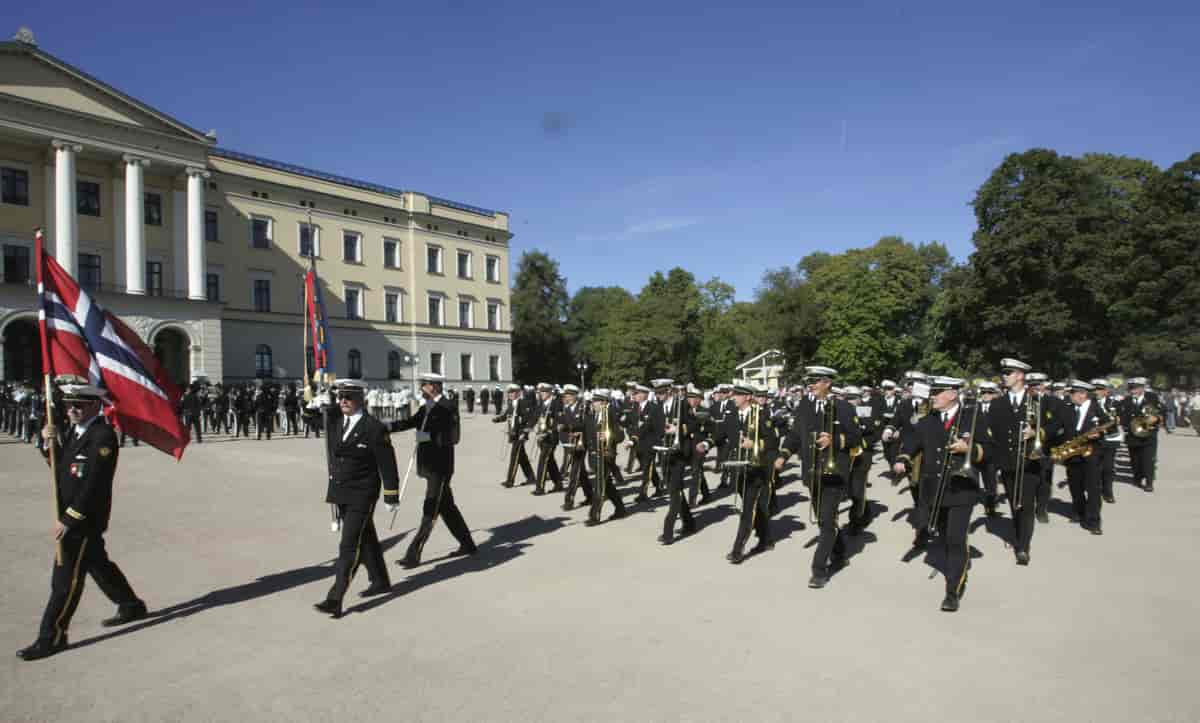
<point>318,328</point>
<point>79,337</point>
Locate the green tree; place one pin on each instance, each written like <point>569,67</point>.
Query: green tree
<point>590,310</point>
<point>539,309</point>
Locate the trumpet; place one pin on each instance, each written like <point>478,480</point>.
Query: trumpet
<point>1146,423</point>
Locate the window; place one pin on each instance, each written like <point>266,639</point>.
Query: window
<point>310,240</point>
<point>391,254</point>
<point>464,264</point>
<point>260,232</point>
<point>494,368</point>
<point>152,205</point>
<point>353,303</point>
<point>14,186</point>
<point>154,283</point>
<point>16,264</point>
<point>87,198</point>
<point>89,271</point>
<point>466,364</point>
<point>493,316</point>
<point>263,366</point>
<point>464,314</point>
<point>352,247</point>
<point>391,307</point>
<point>433,259</point>
<point>493,269</point>
<point>435,310</point>
<point>393,365</point>
<point>262,294</point>
<point>435,362</point>
<point>211,227</point>
<point>354,359</point>
<point>212,287</point>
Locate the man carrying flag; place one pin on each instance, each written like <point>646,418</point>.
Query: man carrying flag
<point>108,369</point>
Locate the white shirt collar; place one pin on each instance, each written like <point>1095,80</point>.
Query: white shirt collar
<point>81,428</point>
<point>949,413</point>
<point>349,422</point>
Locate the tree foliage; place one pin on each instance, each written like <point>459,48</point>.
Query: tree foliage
<point>539,309</point>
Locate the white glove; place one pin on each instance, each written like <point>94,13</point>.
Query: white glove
<point>393,508</point>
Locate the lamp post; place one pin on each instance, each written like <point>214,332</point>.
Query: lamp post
<point>412,360</point>
<point>582,367</point>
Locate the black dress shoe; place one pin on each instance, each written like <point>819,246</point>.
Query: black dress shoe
<point>568,506</point>
<point>506,484</point>
<point>736,557</point>
<point>1110,499</point>
<point>1022,558</point>
<point>42,649</point>
<point>1095,529</point>
<point>1043,517</point>
<point>837,564</point>
<point>762,546</point>
<point>1149,486</point>
<point>666,539</point>
<point>333,608</point>
<point>592,521</point>
<point>410,562</point>
<point>126,615</point>
<point>816,582</point>
<point>950,603</point>
<point>465,550</point>
<point>539,493</point>
<point>375,589</point>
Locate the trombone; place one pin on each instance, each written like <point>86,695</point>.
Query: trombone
<point>603,442</point>
<point>747,457</point>
<point>830,465</point>
<point>1026,451</point>
<point>966,469</point>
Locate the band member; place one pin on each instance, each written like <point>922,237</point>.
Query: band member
<point>750,444</point>
<point>1039,385</point>
<point>953,442</point>
<point>570,434</point>
<point>704,422</point>
<point>722,406</point>
<point>601,435</point>
<point>909,412</point>
<point>1020,427</point>
<point>647,435</point>
<point>85,463</point>
<point>1085,416</point>
<point>497,398</point>
<point>437,425</point>
<point>519,415</point>
<point>1106,449</point>
<point>681,429</point>
<point>485,397</point>
<point>825,433</point>
<point>264,412</point>
<point>629,421</point>
<point>1141,415</point>
<point>469,396</point>
<point>361,459</point>
<point>870,423</point>
<point>889,435</point>
<point>546,437</point>
<point>988,392</point>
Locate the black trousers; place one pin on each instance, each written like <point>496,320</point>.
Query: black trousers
<point>831,542</point>
<point>517,457</point>
<point>679,504</point>
<point>953,524</point>
<point>889,451</point>
<point>858,489</point>
<point>1045,490</point>
<point>577,477</point>
<point>293,419</point>
<point>1083,479</point>
<point>756,510</point>
<point>439,502</point>
<point>1023,518</point>
<point>604,489</point>
<point>547,467</point>
<point>990,486</point>
<point>1143,459</point>
<point>193,423</point>
<point>263,421</point>
<point>699,486</point>
<point>1107,453</point>
<point>83,554</point>
<point>650,473</point>
<point>359,546</point>
<point>243,426</point>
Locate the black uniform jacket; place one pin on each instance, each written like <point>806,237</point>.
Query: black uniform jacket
<point>1005,423</point>
<point>84,470</point>
<point>649,426</point>
<point>846,435</point>
<point>435,455</point>
<point>1094,417</point>
<point>570,422</point>
<point>731,429</point>
<point>592,431</point>
<point>931,437</point>
<point>1130,408</point>
<point>520,414</point>
<point>358,464</point>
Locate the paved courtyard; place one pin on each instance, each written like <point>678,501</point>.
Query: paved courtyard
<point>557,621</point>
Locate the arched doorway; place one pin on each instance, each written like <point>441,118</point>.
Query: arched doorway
<point>171,348</point>
<point>22,352</point>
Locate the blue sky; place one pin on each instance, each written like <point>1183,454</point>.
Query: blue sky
<point>625,138</point>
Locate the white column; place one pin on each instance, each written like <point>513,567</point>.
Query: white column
<point>48,238</point>
<point>66,228</point>
<point>135,230</point>
<point>179,240</point>
<point>197,258</point>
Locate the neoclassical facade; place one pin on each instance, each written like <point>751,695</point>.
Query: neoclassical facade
<point>203,250</point>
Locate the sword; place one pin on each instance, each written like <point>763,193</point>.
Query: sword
<point>403,486</point>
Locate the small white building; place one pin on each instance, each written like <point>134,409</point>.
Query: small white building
<point>764,369</point>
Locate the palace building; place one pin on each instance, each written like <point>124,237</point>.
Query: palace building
<point>203,250</point>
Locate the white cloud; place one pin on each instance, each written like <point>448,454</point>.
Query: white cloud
<point>665,224</point>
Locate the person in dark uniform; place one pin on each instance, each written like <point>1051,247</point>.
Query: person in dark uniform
<point>647,434</point>
<point>361,460</point>
<point>1146,408</point>
<point>908,413</point>
<point>682,428</point>
<point>1040,386</point>
<point>1018,421</point>
<point>497,398</point>
<point>264,412</point>
<point>889,435</point>
<point>950,436</point>
<point>485,398</point>
<point>737,431</point>
<point>571,419</point>
<point>291,408</point>
<point>193,410</point>
<point>546,436</point>
<point>1084,417</point>
<point>85,463</point>
<point>469,396</point>
<point>826,430</point>
<point>629,416</point>
<point>988,393</point>
<point>602,434</point>
<point>698,492</point>
<point>870,423</point>
<point>1106,449</point>
<point>722,405</point>
<point>519,416</point>
<point>437,425</point>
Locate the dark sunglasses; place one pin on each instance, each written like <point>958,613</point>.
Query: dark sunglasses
<point>76,404</point>
<point>348,395</point>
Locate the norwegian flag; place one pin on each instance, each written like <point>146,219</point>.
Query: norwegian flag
<point>79,337</point>
<point>315,308</point>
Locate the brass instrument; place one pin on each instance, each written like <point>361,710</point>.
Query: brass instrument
<point>1141,426</point>
<point>603,443</point>
<point>830,465</point>
<point>1026,451</point>
<point>1079,446</point>
<point>966,469</point>
<point>747,457</point>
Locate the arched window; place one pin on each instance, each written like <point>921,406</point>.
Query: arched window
<point>355,358</point>
<point>393,365</point>
<point>264,368</point>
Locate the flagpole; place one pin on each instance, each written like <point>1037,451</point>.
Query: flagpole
<point>310,306</point>
<point>52,438</point>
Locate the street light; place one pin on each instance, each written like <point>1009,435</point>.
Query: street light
<point>582,367</point>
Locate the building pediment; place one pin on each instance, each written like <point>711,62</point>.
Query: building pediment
<point>38,78</point>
